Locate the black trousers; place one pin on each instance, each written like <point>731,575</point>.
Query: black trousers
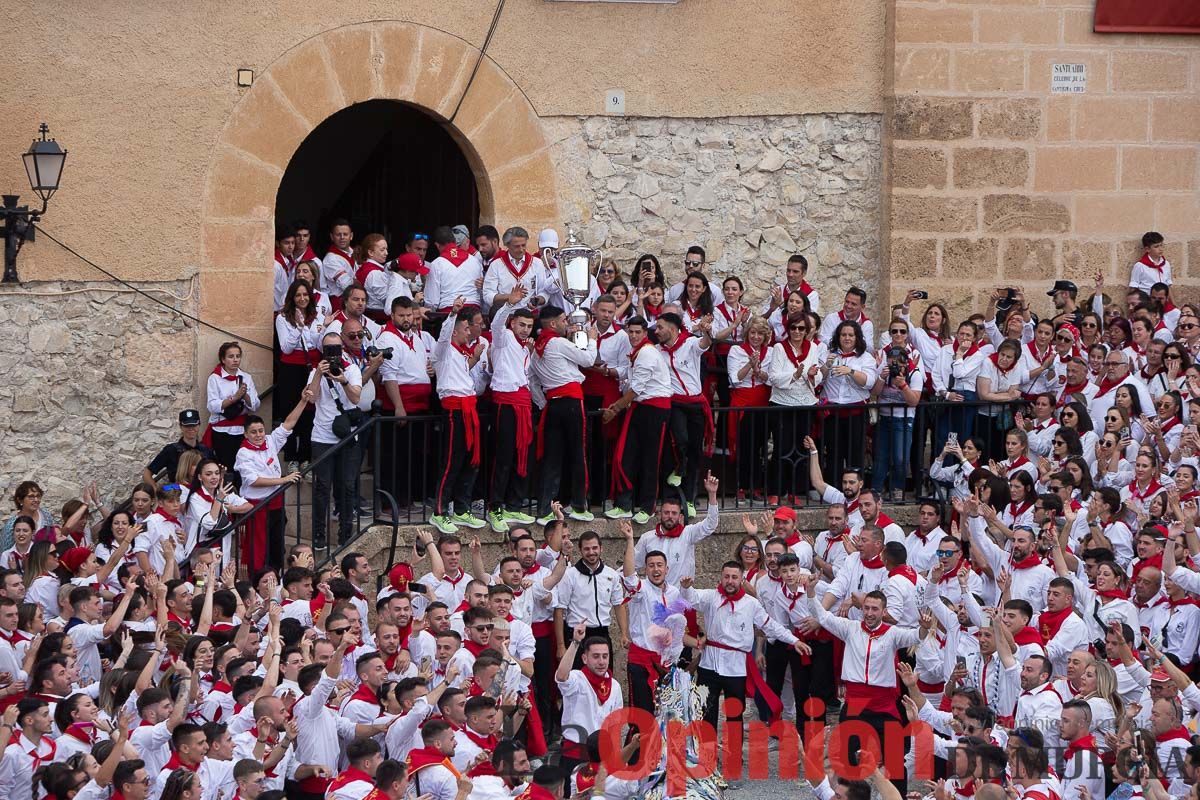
<point>780,657</point>
<point>821,676</point>
<point>640,695</point>
<point>544,665</point>
<point>643,453</point>
<point>598,453</point>
<point>509,489</point>
<point>687,439</point>
<point>564,453</point>
<point>458,476</point>
<point>339,474</point>
<point>290,380</point>
<point>788,470</point>
<point>881,723</point>
<point>730,686</point>
<point>226,449</point>
<point>276,533</point>
<point>844,441</point>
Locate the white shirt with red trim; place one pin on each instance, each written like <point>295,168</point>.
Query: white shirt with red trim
<point>680,550</point>
<point>643,597</point>
<point>732,623</point>
<point>337,271</point>
<point>869,658</point>
<point>21,759</point>
<point>1143,277</point>
<point>447,282</point>
<point>561,363</point>
<point>410,356</point>
<point>219,389</point>
<point>254,464</point>
<point>684,365</point>
<point>503,275</point>
<point>647,377</point>
<point>1040,708</point>
<point>583,708</point>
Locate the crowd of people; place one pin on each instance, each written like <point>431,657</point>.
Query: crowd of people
<point>1043,617</point>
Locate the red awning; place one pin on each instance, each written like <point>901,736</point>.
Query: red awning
<point>1147,16</point>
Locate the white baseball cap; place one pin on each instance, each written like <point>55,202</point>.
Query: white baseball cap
<point>548,238</point>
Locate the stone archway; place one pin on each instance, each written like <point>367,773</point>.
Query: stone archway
<point>497,129</point>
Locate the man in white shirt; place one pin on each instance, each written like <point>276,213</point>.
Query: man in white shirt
<point>852,309</point>
<point>589,594</point>
<point>452,275</point>
<point>645,595</point>
<point>514,267</point>
<point>647,401</point>
<point>429,767</point>
<point>727,662</point>
<point>561,445</point>
<point>27,750</point>
<point>1039,705</point>
<point>1080,767</point>
<point>338,266</point>
<point>589,693</point>
<point>676,540</point>
<point>1117,373</point>
<point>87,631</point>
<point>510,354</point>
<point>862,572</point>
<point>339,387</point>
<point>923,543</point>
<point>406,391</point>
<point>795,280</point>
<point>454,358</point>
<point>691,425</point>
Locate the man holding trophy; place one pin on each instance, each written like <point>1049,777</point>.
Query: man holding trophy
<point>565,347</point>
<point>514,266</point>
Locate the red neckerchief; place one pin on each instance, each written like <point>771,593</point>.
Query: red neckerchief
<point>258,448</point>
<point>186,625</point>
<point>366,694</point>
<point>805,288</point>
<point>1179,733</point>
<point>995,359</point>
<point>38,760</point>
<point>454,581</point>
<point>904,570</point>
<point>467,350</point>
<point>473,647</point>
<point>1169,424</point>
<point>1071,389</point>
<point>952,574</point>
<point>762,353</point>
<point>455,254</point>
<point>972,350</point>
<point>174,763</point>
<point>601,684</point>
<point>221,686</point>
<point>871,563</point>
<point>634,353</point>
<point>875,634</point>
<point>482,742</point>
<point>1016,511</point>
<point>862,317</point>
<point>1145,259</point>
<point>1107,385</point>
<point>652,310</point>
<point>350,775</point>
<point>407,338</point>
<point>791,598</point>
<point>1141,494</point>
<point>543,339</point>
<point>612,331</point>
<point>344,254</point>
<point>83,731</point>
<point>585,777</point>
<point>693,314</point>
<point>1029,562</point>
<point>1186,600</point>
<point>1039,357</point>
<point>1014,466</point>
<point>169,518</point>
<point>1050,621</point>
<point>526,263</point>
<point>1081,745</point>
<point>729,313</point>
<point>731,599</point>
<point>832,539</point>
<point>882,520</point>
<point>792,539</point>
<point>1029,635</point>
<point>219,371</point>
<point>797,359</point>
<point>364,271</point>
<point>1114,594</point>
<point>422,757</point>
<point>669,533</point>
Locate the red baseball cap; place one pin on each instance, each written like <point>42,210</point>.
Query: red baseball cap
<point>401,574</point>
<point>411,262</point>
<point>785,512</point>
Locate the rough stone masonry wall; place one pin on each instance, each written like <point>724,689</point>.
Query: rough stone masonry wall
<point>751,190</point>
<point>994,181</point>
<point>94,377</point>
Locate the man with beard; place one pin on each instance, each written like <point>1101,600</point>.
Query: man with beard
<point>727,663</point>
<point>1030,576</point>
<point>862,573</point>
<point>645,594</point>
<point>923,543</point>
<point>677,540</point>
<point>487,244</point>
<point>588,595</point>
<point>691,421</point>
<point>852,484</point>
<point>589,692</point>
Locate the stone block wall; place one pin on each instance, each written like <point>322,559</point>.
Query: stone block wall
<point>751,190</point>
<point>95,377</point>
<point>994,181</point>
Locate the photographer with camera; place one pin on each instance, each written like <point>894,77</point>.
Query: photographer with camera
<point>899,385</point>
<point>337,399</point>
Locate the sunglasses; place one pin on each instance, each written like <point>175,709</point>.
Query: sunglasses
<point>1089,325</point>
<point>1187,327</point>
<point>1066,339</point>
<point>353,336</point>
<point>945,553</point>
<point>1059,443</point>
<point>897,331</point>
<point>693,263</point>
<point>797,327</point>
<point>337,632</point>
<point>1172,357</point>
<point>422,236</point>
<point>1055,488</point>
<point>482,628</point>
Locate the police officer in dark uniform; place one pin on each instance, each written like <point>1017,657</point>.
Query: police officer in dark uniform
<point>168,458</point>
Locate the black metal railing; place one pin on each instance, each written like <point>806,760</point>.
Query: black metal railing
<point>757,453</point>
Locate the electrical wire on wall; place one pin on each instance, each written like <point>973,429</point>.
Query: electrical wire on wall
<point>143,293</point>
<point>479,61</point>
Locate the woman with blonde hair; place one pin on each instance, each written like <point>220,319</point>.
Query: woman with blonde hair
<point>748,365</point>
<point>1098,688</point>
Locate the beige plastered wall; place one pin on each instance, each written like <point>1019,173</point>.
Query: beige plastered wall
<point>173,169</point>
<point>995,181</point>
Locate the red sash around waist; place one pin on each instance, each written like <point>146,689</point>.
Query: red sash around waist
<point>522,405</point>
<point>415,397</point>
<point>755,684</point>
<point>571,390</point>
<point>710,428</point>
<point>466,405</point>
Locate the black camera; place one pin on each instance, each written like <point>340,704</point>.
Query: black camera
<point>897,363</point>
<point>331,354</point>
<point>373,351</point>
